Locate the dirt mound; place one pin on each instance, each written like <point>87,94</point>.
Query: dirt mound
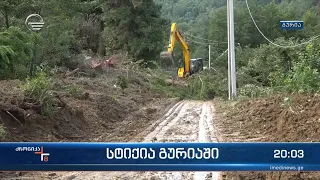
<point>280,118</point>
<point>92,119</point>
<point>107,114</point>
<point>67,124</point>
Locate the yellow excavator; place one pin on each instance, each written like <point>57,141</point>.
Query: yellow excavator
<point>191,66</point>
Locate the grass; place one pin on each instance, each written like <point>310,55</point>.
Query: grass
<point>3,131</point>
<point>75,90</point>
<point>40,90</point>
<point>199,86</point>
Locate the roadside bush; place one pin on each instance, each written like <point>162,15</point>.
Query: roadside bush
<point>205,85</point>
<point>217,83</point>
<point>39,87</point>
<point>75,90</point>
<point>169,91</point>
<point>3,131</point>
<point>304,75</point>
<point>213,83</point>
<point>21,71</point>
<point>195,88</point>
<point>159,81</point>
<point>158,84</point>
<point>39,91</point>
<point>254,91</point>
<point>210,93</point>
<point>123,82</point>
<point>302,79</point>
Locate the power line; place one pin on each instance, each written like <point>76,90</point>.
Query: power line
<point>197,42</point>
<point>213,42</point>
<point>311,39</point>
<point>206,45</point>
<point>202,43</point>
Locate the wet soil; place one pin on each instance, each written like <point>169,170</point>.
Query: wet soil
<point>280,118</point>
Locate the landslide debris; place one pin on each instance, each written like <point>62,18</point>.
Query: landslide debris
<point>280,118</point>
<point>101,111</point>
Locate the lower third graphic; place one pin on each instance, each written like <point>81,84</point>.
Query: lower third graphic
<point>44,156</point>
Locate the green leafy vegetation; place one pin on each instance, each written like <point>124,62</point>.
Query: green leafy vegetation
<point>140,30</point>
<point>39,90</point>
<point>135,27</point>
<point>3,131</point>
<point>262,68</point>
<point>169,91</point>
<point>123,82</point>
<point>202,86</point>
<point>103,27</point>
<point>15,53</point>
<point>39,87</point>
<point>254,91</point>
<point>74,90</point>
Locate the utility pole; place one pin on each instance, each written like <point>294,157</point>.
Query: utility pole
<point>209,57</point>
<point>229,67</point>
<point>231,52</point>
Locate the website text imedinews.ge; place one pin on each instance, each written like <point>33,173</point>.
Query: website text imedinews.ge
<point>286,168</point>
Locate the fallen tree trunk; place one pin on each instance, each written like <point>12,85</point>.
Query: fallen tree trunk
<point>173,82</point>
<point>14,112</point>
<point>72,72</point>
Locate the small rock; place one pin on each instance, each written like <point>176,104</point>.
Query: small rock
<point>72,177</point>
<point>52,174</point>
<point>86,95</point>
<point>209,176</point>
<point>151,110</point>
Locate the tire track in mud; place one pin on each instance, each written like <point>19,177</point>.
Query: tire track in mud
<point>192,122</point>
<point>162,124</point>
<point>206,134</point>
<point>186,121</point>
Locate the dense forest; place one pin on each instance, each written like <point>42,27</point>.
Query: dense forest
<point>140,28</point>
<point>259,62</point>
<point>104,27</point>
<point>50,90</point>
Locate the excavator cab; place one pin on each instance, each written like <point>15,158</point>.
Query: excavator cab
<point>196,65</point>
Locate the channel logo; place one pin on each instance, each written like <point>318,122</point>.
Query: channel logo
<point>34,22</point>
<point>44,157</point>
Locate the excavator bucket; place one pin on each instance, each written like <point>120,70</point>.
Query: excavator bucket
<point>167,57</point>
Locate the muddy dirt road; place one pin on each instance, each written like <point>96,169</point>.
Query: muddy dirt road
<point>186,121</point>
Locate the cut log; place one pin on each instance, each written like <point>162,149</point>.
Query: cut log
<point>13,117</point>
<point>72,72</point>
<point>172,82</point>
<point>14,112</point>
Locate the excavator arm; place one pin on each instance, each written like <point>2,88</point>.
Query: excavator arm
<point>176,36</point>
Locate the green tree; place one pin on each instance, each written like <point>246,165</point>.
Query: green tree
<point>15,52</point>
<point>135,28</point>
<point>7,8</point>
